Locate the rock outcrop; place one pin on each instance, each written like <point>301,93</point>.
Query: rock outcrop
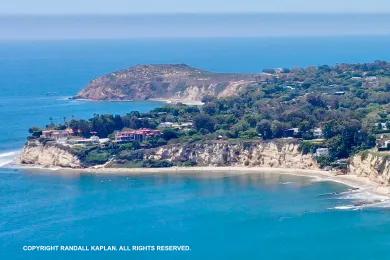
<point>374,165</point>
<point>48,155</point>
<point>179,82</point>
<point>277,153</point>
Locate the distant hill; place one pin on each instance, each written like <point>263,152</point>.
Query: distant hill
<point>164,81</point>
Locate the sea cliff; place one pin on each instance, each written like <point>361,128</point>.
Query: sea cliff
<point>48,155</point>
<point>277,153</point>
<point>373,165</point>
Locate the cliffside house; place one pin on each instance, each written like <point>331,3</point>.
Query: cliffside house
<point>371,82</point>
<point>383,145</point>
<point>292,132</point>
<point>85,141</point>
<point>317,132</point>
<point>265,77</point>
<point>186,125</point>
<point>341,164</point>
<point>322,152</point>
<point>136,135</point>
<point>57,134</point>
<point>165,125</point>
<point>382,126</point>
<point>181,126</point>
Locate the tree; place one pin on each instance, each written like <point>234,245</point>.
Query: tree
<point>338,148</point>
<point>118,123</point>
<point>80,126</point>
<point>35,131</point>
<point>169,134</point>
<point>205,122</point>
<point>277,129</point>
<point>249,134</point>
<point>315,100</point>
<point>264,128</point>
<point>210,108</point>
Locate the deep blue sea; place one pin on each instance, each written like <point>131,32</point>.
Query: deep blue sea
<point>220,216</point>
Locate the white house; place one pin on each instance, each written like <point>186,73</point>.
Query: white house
<point>317,132</point>
<point>322,152</point>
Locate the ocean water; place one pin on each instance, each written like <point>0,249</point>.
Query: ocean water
<point>220,216</point>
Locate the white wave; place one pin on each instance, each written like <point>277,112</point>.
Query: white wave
<point>363,195</point>
<point>8,157</point>
<point>382,204</point>
<point>364,204</point>
<point>346,207</point>
<point>63,98</point>
<point>287,182</point>
<point>362,198</point>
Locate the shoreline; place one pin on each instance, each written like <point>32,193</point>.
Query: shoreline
<point>162,100</point>
<point>183,101</point>
<point>356,182</point>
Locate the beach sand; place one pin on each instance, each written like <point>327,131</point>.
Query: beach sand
<point>183,101</point>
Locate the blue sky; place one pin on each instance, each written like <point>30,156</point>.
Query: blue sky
<point>190,6</point>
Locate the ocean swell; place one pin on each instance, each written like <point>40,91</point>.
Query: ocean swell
<point>8,157</point>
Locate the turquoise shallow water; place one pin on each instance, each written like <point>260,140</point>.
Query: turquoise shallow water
<point>226,217</point>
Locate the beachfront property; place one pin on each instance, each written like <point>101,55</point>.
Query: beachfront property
<point>136,135</point>
<point>383,142</point>
<point>340,164</point>
<point>322,152</point>
<point>383,145</point>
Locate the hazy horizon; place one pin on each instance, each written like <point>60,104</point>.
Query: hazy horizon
<point>191,6</point>
<point>38,27</point>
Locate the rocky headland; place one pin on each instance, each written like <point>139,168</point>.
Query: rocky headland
<point>165,81</point>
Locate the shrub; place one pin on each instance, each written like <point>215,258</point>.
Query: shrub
<point>97,157</point>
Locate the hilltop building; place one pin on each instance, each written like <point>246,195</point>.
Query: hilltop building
<point>57,134</point>
<point>136,135</point>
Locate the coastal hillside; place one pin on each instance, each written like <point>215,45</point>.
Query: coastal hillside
<point>179,82</point>
<point>329,114</point>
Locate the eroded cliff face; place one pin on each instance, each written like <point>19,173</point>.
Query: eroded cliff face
<point>282,153</point>
<point>165,81</point>
<point>375,166</point>
<point>48,155</point>
<point>277,153</point>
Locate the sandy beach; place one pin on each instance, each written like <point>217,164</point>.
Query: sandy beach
<point>183,101</point>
